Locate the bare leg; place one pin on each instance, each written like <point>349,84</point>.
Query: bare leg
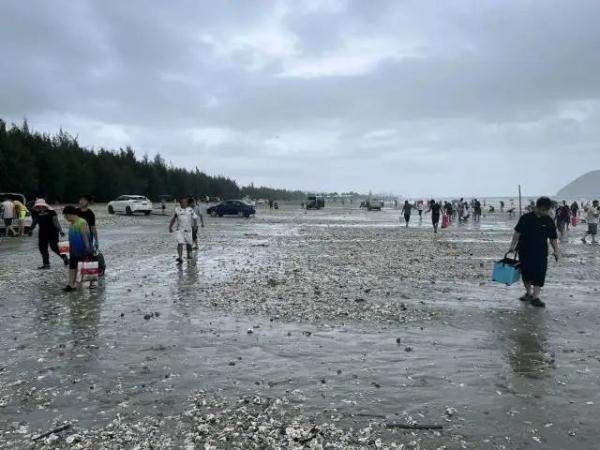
<point>72,278</point>
<point>537,291</point>
<point>527,287</point>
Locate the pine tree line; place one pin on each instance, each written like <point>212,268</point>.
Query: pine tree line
<point>59,169</point>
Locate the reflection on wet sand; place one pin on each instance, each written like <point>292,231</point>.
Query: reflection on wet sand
<point>527,349</point>
<point>85,318</point>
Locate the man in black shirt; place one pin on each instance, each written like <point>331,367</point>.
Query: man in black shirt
<point>88,215</point>
<point>530,240</point>
<point>436,209</point>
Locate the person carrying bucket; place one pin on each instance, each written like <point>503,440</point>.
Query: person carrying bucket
<point>530,241</point>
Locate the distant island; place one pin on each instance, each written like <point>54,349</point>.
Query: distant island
<point>586,186</point>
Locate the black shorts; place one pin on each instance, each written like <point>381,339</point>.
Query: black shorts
<point>407,217</point>
<point>534,268</point>
<point>8,222</point>
<point>74,261</point>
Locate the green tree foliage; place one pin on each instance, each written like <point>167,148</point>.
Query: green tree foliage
<point>59,169</point>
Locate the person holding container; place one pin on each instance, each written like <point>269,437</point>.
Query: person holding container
<point>530,240</point>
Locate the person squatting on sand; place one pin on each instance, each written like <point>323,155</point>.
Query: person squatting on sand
<point>530,241</point>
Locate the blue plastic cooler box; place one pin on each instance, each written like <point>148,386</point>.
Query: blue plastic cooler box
<point>506,272</point>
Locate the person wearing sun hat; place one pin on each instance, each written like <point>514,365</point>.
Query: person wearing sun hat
<point>49,230</point>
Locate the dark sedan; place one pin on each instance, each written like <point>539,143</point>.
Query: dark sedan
<point>231,207</point>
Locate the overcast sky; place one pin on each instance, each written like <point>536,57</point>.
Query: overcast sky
<point>410,97</point>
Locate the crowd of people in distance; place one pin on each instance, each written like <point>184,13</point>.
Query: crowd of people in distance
<point>543,222</point>
<point>446,211</point>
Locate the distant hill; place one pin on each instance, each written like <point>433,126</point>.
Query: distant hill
<point>586,186</point>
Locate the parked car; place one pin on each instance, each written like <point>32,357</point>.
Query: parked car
<point>372,205</point>
<point>231,207</point>
<point>130,204</point>
<point>315,202</point>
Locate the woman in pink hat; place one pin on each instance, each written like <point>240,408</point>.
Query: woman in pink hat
<point>47,219</point>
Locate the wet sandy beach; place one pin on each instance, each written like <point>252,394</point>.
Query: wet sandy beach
<point>333,327</point>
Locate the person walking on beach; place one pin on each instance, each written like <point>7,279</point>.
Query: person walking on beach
<point>406,211</point>
<point>47,220</point>
<point>420,209</point>
<point>183,218</point>
<point>436,210</point>
<point>563,219</point>
<point>195,205</point>
<point>80,245</point>
<point>591,214</point>
<point>476,211</point>
<point>574,212</point>
<point>530,241</point>
<point>449,209</point>
<point>88,215</point>
<point>8,215</point>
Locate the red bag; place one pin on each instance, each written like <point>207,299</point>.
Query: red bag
<point>574,221</point>
<point>87,270</point>
<point>445,221</point>
<point>63,248</point>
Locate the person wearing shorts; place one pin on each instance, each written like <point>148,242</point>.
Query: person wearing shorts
<point>592,214</point>
<point>530,240</point>
<point>8,215</point>
<point>183,220</point>
<point>80,245</point>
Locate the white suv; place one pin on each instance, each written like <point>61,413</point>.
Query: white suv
<point>130,204</point>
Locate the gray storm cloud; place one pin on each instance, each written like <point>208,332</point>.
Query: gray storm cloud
<point>415,98</point>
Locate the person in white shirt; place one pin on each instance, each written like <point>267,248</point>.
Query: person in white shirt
<point>592,213</point>
<point>8,215</point>
<point>195,204</point>
<point>183,219</point>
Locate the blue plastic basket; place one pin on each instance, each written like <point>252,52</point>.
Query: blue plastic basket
<point>506,271</point>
